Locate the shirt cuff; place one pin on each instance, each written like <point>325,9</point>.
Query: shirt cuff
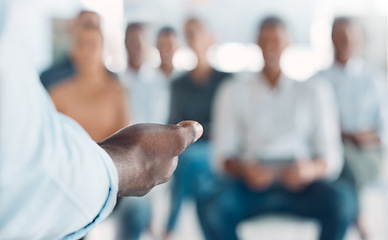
<point>109,204</point>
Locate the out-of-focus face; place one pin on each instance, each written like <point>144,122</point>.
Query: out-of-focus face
<point>167,45</point>
<point>345,41</point>
<point>136,45</point>
<point>88,49</point>
<point>273,41</point>
<point>88,19</point>
<point>197,36</point>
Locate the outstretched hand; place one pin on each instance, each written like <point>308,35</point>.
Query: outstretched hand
<point>145,155</point>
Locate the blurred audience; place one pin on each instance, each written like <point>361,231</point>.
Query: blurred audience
<point>362,102</point>
<point>65,69</point>
<point>277,143</point>
<point>192,98</point>
<point>93,96</point>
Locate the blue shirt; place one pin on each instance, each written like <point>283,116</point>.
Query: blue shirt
<point>55,182</point>
<point>361,97</point>
<point>57,73</point>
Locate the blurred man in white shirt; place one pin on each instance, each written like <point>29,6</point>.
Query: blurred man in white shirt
<point>139,75</point>
<point>167,44</point>
<point>282,149</point>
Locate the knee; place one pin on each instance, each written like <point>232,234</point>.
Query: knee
<point>216,211</point>
<point>341,204</point>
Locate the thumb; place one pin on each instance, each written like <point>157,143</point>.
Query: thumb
<point>190,132</point>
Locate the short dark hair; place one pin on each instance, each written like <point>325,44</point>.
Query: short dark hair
<point>134,26</point>
<point>343,20</point>
<point>84,11</point>
<point>271,22</point>
<point>166,31</point>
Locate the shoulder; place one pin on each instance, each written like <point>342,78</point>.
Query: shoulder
<point>315,91</point>
<point>61,70</point>
<point>222,75</point>
<point>63,88</point>
<point>180,80</point>
<point>61,93</point>
<point>237,84</point>
<point>312,84</point>
<point>324,75</point>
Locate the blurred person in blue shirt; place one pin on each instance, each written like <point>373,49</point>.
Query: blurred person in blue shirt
<point>65,69</point>
<point>55,181</point>
<point>282,151</point>
<point>361,97</point>
<point>362,102</point>
<point>192,97</point>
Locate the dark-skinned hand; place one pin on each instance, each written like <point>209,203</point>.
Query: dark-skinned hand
<point>145,155</point>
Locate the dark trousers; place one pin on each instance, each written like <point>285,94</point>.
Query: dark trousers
<point>134,218</point>
<point>333,205</point>
<point>191,179</point>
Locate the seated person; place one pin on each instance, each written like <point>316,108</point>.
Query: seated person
<point>65,69</point>
<point>362,103</point>
<point>277,143</point>
<point>192,98</point>
<point>93,97</point>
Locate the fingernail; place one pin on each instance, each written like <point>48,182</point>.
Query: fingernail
<point>198,131</point>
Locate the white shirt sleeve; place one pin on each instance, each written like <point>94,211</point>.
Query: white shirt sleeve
<point>326,139</point>
<point>226,128</point>
<point>55,182</point>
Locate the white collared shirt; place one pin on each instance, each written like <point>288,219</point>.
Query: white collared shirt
<point>361,97</point>
<point>293,121</point>
<point>55,181</point>
<point>149,91</point>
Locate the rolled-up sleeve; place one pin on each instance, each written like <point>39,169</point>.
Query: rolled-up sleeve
<point>55,182</point>
<point>326,139</point>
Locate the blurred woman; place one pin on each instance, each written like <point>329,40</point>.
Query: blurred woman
<point>93,97</point>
